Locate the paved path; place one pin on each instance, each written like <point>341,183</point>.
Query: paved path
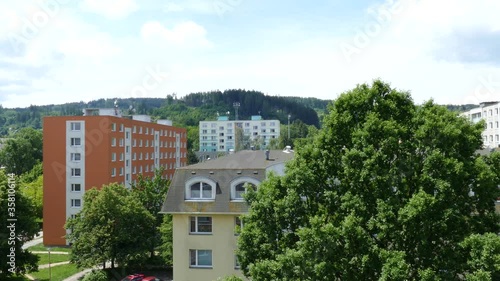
<point>52,264</point>
<point>46,252</point>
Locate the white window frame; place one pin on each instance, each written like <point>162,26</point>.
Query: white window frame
<point>234,183</point>
<point>74,174</point>
<point>74,205</point>
<point>74,142</point>
<point>113,172</point>
<point>76,126</point>
<point>113,156</point>
<point>196,221</point>
<point>194,256</point>
<point>200,181</point>
<point>74,157</point>
<point>74,189</point>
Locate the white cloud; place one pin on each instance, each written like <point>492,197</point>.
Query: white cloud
<point>187,34</point>
<point>112,9</point>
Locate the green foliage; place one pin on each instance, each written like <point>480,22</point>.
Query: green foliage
<point>151,193</point>
<point>483,256</point>
<point>96,275</point>
<point>112,226</point>
<point>166,232</point>
<point>19,232</point>
<point>386,190</point>
<point>22,152</point>
<point>33,191</point>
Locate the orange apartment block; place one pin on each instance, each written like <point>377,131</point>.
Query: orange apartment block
<point>101,147</point>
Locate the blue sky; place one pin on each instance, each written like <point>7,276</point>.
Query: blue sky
<point>57,51</point>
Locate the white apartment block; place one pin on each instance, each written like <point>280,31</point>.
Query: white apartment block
<point>490,112</point>
<point>220,135</point>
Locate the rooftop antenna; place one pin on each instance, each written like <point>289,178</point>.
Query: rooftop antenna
<point>116,106</point>
<point>236,106</point>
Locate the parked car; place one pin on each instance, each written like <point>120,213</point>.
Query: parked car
<point>151,278</point>
<point>134,277</point>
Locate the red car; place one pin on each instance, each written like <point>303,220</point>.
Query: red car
<point>134,277</point>
<point>151,278</point>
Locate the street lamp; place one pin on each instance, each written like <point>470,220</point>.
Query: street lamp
<point>289,126</point>
<point>50,273</point>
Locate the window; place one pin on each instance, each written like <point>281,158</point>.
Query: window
<point>122,156</point>
<point>134,129</point>
<point>75,157</point>
<point>200,190</point>
<point>76,172</point>
<point>491,125</point>
<point>240,186</point>
<point>76,141</point>
<point>121,127</point>
<point>121,171</point>
<point>127,135</point>
<point>238,225</point>
<point>134,156</point>
<point>76,126</point>
<point>200,258</point>
<point>76,203</point>
<point>113,172</point>
<point>121,142</point>
<point>113,127</point>
<point>236,262</point>
<point>113,142</point>
<point>113,156</point>
<point>201,225</point>
<point>76,187</point>
<point>272,124</point>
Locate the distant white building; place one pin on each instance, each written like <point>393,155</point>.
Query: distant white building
<point>220,135</point>
<point>490,112</point>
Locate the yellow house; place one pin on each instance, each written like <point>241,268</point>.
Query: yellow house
<point>206,200</point>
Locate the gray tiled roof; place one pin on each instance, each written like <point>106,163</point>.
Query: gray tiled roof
<point>223,170</point>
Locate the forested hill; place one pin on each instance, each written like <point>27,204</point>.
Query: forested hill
<point>185,111</point>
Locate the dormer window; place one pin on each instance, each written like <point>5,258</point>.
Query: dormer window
<point>200,188</point>
<point>240,185</point>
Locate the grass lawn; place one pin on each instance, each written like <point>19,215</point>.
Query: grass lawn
<point>58,273</point>
<point>44,258</point>
<point>40,247</point>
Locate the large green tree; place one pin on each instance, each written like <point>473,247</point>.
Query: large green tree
<point>386,191</point>
<point>110,227</point>
<point>22,152</point>
<point>18,224</point>
<point>151,193</point>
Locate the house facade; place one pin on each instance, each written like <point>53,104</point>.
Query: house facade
<point>490,113</point>
<point>221,135</point>
<point>206,203</point>
<point>101,147</point>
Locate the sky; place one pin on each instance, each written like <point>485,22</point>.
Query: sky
<point>58,51</point>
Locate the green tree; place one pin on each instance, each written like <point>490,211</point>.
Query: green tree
<point>22,152</point>
<point>14,234</point>
<point>111,227</point>
<point>151,193</point>
<point>386,190</point>
<point>483,255</point>
<point>166,246</point>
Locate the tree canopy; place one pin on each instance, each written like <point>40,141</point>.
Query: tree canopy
<point>17,221</point>
<point>388,190</point>
<point>112,226</point>
<point>22,152</point>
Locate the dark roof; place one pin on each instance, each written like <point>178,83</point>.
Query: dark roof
<point>245,159</point>
<point>245,165</point>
